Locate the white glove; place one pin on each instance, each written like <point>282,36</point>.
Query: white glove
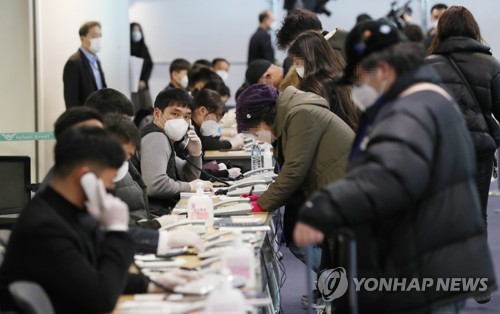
<point>171,279</point>
<point>222,166</point>
<point>207,185</point>
<point>182,237</point>
<point>166,220</point>
<point>234,172</point>
<point>237,141</point>
<point>194,144</point>
<point>113,214</point>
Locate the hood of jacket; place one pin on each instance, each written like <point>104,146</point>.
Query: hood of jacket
<point>461,44</point>
<point>291,98</point>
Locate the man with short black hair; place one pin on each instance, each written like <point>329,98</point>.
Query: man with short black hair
<point>179,69</point>
<point>260,46</point>
<point>165,174</point>
<point>108,100</point>
<point>409,194</point>
<point>200,76</point>
<point>436,11</point>
<point>79,256</point>
<point>221,67</point>
<point>83,72</point>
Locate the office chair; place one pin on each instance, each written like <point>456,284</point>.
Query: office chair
<point>30,297</point>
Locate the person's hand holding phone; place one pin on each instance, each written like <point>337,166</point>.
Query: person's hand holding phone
<point>194,144</point>
<point>110,212</point>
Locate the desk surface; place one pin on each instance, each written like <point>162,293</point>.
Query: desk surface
<point>230,154</point>
<point>193,261</point>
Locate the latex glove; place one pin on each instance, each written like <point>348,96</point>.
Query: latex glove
<point>253,197</point>
<point>166,220</point>
<point>237,141</point>
<point>222,166</point>
<point>182,237</point>
<point>113,214</point>
<point>171,279</point>
<point>207,185</point>
<point>194,144</point>
<point>256,207</point>
<point>234,172</point>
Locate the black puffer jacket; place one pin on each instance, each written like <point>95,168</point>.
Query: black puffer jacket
<point>411,199</point>
<point>482,71</point>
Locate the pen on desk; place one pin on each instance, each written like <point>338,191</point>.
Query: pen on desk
<point>251,190</point>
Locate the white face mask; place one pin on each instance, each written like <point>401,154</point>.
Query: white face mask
<point>184,81</point>
<point>136,36</point>
<point>95,45</point>
<point>434,24</point>
<point>300,71</point>
<point>209,128</point>
<point>223,75</point>
<point>364,96</point>
<point>122,172</point>
<point>176,129</point>
<point>265,136</point>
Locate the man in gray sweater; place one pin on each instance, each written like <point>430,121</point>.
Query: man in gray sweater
<point>165,174</point>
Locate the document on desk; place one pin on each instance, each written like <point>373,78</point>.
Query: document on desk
<point>135,73</point>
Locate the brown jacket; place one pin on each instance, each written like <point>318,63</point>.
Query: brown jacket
<point>314,145</point>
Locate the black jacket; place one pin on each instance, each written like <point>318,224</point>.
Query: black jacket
<point>59,246</point>
<point>410,197</point>
<point>79,80</point>
<point>482,72</point>
<point>260,46</point>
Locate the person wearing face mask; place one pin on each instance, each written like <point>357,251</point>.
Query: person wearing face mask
<point>179,69</point>
<point>83,73</point>
<point>409,195</point>
<point>436,11</point>
<point>165,174</point>
<point>221,67</point>
<point>311,145</point>
<point>82,255</point>
<point>318,68</point>
<point>82,245</point>
<point>207,113</point>
<point>260,46</point>
<point>141,99</point>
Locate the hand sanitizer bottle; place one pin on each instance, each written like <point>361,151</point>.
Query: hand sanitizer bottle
<point>268,157</point>
<point>201,207</point>
<point>256,157</point>
<point>240,260</point>
<point>226,299</point>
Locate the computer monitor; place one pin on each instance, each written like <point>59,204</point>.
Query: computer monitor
<point>15,183</point>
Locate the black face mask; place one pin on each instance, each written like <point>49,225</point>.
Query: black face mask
<point>112,192</point>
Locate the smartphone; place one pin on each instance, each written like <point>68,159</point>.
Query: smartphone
<point>183,143</point>
<point>91,189</point>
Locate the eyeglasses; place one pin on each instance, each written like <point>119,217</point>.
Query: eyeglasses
<point>218,115</point>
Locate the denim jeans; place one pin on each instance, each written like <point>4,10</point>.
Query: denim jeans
<point>300,253</point>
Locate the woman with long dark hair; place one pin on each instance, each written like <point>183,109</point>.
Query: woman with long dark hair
<point>472,75</point>
<point>141,99</point>
<point>319,67</point>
